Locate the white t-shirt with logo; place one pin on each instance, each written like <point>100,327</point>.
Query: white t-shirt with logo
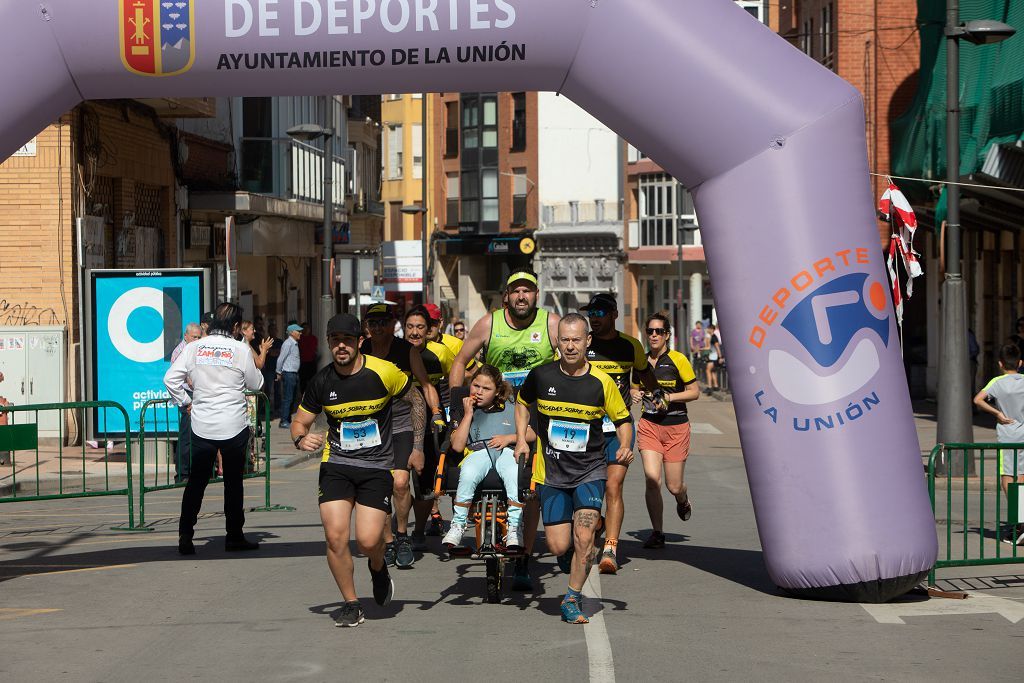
<point>220,370</point>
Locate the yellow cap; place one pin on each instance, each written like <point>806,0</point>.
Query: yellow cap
<point>521,275</point>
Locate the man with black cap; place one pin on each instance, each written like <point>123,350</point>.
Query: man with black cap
<point>515,340</point>
<point>383,344</point>
<point>358,393</point>
<point>622,358</point>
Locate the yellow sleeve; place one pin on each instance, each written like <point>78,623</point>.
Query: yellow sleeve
<point>683,366</point>
<point>639,355</point>
<point>395,381</point>
<point>444,354</point>
<point>614,406</point>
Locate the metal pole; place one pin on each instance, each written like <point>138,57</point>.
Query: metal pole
<point>679,297</point>
<point>954,412</point>
<point>327,288</point>
<point>423,200</point>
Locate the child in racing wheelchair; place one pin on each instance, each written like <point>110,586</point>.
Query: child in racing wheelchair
<point>485,431</point>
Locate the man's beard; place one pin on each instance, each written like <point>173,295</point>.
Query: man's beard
<point>521,316</point>
<point>346,364</point>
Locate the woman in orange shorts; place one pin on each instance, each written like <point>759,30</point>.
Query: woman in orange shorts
<point>663,434</point>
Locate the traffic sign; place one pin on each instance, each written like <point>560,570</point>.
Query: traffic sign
<point>378,293</point>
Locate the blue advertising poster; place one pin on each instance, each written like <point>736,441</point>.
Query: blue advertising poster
<point>138,318</point>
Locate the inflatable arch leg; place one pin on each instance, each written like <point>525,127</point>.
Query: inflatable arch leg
<point>771,143</point>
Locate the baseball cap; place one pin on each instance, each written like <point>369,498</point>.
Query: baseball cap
<point>378,311</point>
<point>346,324</point>
<point>433,310</point>
<point>601,302</point>
<point>294,328</point>
<point>521,276</point>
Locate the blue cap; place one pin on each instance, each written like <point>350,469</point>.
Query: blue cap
<point>295,328</point>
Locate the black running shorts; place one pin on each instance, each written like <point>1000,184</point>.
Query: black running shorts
<point>403,449</point>
<point>368,487</point>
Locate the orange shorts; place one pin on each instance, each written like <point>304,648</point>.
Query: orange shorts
<point>672,441</point>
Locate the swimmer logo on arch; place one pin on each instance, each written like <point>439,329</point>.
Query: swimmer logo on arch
<point>157,36</point>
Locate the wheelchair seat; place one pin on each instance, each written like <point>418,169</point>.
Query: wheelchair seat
<point>491,484</point>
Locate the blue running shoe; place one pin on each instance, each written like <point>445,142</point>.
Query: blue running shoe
<point>571,612</point>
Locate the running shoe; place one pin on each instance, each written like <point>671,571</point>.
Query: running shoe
<point>351,615</point>
<point>185,546</point>
<point>684,510</point>
<point>565,561</point>
<point>655,541</point>
<point>608,563</point>
<point>239,543</point>
<point>383,586</point>
<point>404,559</point>
<point>390,554</point>
<point>571,612</point>
<point>419,540</point>
<point>521,579</point>
<point>435,527</point>
<point>454,536</point>
<point>512,539</point>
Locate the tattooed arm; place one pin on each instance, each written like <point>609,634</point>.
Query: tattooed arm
<point>419,420</point>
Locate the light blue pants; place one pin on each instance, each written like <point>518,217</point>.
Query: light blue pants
<point>473,470</point>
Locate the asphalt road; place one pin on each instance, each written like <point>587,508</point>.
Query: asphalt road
<point>80,602</point>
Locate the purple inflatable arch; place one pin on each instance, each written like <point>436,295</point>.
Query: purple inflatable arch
<point>771,144</point>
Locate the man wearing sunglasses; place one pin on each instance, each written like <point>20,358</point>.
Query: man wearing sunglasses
<point>383,344</point>
<point>622,358</point>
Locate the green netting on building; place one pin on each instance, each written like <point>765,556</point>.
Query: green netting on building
<point>991,95</point>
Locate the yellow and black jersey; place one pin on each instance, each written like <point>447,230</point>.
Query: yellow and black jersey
<point>674,373</point>
<point>617,358</point>
<point>569,415</point>
<point>398,355</point>
<point>454,344</point>
<point>358,409</point>
<point>438,359</point>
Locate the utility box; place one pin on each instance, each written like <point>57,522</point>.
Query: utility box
<point>34,366</point>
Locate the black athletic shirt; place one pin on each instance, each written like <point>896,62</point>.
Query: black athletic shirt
<point>359,412</point>
<point>569,416</point>
<point>397,355</point>
<point>674,373</point>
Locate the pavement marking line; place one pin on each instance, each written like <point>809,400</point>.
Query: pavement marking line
<point>706,428</point>
<point>976,603</point>
<point>8,613</point>
<point>86,569</point>
<point>599,648</point>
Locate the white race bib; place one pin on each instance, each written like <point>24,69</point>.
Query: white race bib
<point>607,426</point>
<point>359,435</point>
<point>568,437</point>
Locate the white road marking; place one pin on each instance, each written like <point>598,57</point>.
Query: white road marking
<point>976,603</point>
<point>704,428</point>
<point>599,648</point>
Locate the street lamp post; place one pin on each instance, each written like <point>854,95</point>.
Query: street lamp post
<point>954,410</point>
<point>307,132</point>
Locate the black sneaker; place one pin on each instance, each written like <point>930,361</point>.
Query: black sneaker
<point>419,541</point>
<point>521,579</point>
<point>435,527</point>
<point>404,559</point>
<point>684,510</point>
<point>383,586</point>
<point>238,544</point>
<point>185,546</point>
<point>390,555</point>
<point>655,541</point>
<point>351,615</point>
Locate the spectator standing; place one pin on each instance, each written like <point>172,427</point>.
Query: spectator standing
<point>271,387</point>
<point>696,341</point>
<point>308,347</point>
<point>713,345</point>
<point>288,364</point>
<point>183,449</point>
<point>220,370</point>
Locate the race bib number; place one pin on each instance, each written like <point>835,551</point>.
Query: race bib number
<point>568,437</point>
<point>515,377</point>
<point>607,426</point>
<point>359,435</point>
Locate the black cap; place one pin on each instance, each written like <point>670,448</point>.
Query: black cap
<point>379,311</point>
<point>602,302</point>
<point>345,324</point>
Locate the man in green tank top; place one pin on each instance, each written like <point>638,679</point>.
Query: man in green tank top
<point>515,340</point>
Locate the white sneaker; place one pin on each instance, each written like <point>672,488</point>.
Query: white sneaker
<point>454,535</point>
<point>512,539</point>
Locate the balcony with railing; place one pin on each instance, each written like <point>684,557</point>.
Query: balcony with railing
<point>288,169</point>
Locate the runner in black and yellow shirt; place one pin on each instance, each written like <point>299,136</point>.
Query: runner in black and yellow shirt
<point>572,398</point>
<point>357,392</point>
<point>622,358</point>
<point>663,434</point>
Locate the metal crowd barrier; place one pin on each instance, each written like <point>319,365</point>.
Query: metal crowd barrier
<point>972,513</point>
<point>71,479</point>
<point>159,436</point>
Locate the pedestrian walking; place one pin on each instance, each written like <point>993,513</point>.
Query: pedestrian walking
<point>288,364</point>
<point>220,370</point>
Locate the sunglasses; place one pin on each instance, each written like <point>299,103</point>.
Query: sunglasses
<point>460,329</point>
<point>651,331</point>
<point>378,322</point>
<point>597,313</point>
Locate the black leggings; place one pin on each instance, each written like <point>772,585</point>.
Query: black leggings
<point>204,455</point>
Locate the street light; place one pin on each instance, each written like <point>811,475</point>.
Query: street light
<point>412,210</point>
<point>307,132</point>
<point>954,413</point>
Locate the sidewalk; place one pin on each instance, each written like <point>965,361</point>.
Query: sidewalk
<point>713,417</point>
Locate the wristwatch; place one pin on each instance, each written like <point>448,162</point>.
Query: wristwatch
<point>297,439</point>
